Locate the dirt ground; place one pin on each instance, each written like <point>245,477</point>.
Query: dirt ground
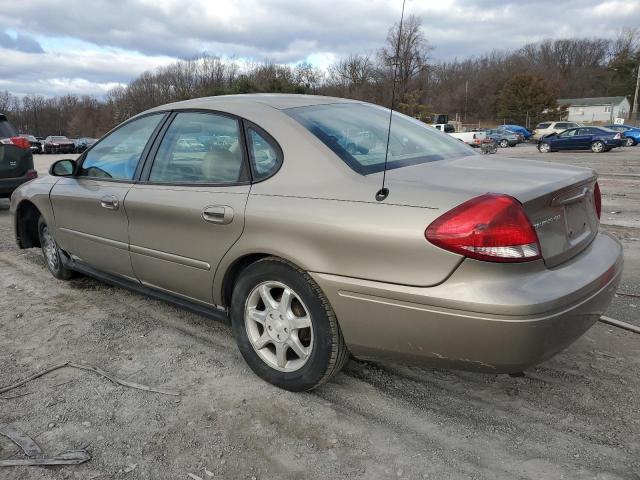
<point>575,416</point>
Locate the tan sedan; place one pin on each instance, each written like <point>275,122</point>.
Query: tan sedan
<point>273,222</point>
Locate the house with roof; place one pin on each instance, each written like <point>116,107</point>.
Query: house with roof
<point>596,109</point>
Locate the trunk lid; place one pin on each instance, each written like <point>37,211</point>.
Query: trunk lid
<point>557,199</point>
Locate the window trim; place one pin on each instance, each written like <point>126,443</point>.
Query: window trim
<point>143,155</point>
<point>150,159</point>
<point>248,125</point>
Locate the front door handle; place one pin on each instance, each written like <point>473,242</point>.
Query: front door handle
<point>109,202</point>
<point>220,214</point>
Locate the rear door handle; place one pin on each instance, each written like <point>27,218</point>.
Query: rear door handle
<point>220,214</point>
<point>109,202</point>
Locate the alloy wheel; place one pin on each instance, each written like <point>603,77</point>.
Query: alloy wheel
<point>278,326</point>
<point>629,142</point>
<point>544,147</point>
<point>597,147</point>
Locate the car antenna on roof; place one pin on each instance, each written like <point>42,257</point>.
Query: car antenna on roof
<point>383,193</point>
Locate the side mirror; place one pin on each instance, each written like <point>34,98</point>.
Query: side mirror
<point>63,168</point>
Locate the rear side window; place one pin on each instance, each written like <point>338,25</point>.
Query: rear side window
<point>117,155</point>
<point>543,126</point>
<point>265,155</point>
<point>357,133</point>
<point>449,128</point>
<point>6,129</point>
<point>200,148</point>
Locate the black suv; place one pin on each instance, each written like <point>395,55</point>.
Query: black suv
<point>16,159</point>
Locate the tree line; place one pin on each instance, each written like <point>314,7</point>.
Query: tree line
<point>516,86</point>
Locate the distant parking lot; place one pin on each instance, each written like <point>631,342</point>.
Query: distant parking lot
<point>575,416</point>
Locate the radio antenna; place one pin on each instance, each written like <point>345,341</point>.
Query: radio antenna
<point>383,193</point>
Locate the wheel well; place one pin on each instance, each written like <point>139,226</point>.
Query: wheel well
<point>233,272</point>
<point>27,217</point>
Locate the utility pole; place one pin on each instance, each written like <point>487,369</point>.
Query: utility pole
<point>635,98</point>
<point>466,96</point>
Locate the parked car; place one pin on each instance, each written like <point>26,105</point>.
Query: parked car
<point>596,139</point>
<point>504,138</point>
<point>546,128</point>
<point>16,159</point>
<point>58,144</point>
<point>518,129</point>
<point>34,144</point>
<point>81,144</point>
<point>286,233</point>
<point>631,135</point>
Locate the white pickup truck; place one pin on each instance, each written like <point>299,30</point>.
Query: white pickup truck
<point>474,139</point>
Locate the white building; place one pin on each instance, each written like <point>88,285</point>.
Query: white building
<point>597,109</point>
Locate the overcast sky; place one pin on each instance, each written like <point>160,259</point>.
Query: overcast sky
<point>89,46</point>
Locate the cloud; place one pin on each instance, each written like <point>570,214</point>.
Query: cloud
<point>20,43</point>
<point>122,38</point>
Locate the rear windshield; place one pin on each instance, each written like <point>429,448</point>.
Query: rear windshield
<point>357,133</point>
<point>542,126</point>
<point>6,129</point>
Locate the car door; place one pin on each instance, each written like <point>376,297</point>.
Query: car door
<point>563,141</point>
<point>189,208</point>
<point>91,221</point>
<point>583,137</point>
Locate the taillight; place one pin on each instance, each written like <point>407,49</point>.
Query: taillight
<point>597,199</point>
<point>617,136</point>
<point>31,174</point>
<point>491,227</point>
<point>20,142</point>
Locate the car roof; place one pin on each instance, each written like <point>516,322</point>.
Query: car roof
<point>278,101</point>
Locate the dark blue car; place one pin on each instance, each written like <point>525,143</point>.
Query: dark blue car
<point>525,132</point>
<point>631,134</point>
<point>596,139</point>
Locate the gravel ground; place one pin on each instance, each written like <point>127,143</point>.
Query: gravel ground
<point>575,416</point>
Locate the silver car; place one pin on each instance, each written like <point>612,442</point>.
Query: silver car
<point>469,262</point>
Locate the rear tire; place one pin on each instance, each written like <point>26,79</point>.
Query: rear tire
<point>52,254</point>
<point>285,327</point>
<point>597,147</point>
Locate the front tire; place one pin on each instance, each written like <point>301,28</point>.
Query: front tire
<point>504,143</point>
<point>52,254</point>
<point>597,147</point>
<point>544,147</point>
<point>284,326</point>
<point>630,142</point>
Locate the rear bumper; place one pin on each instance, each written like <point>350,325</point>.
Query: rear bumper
<point>488,317</point>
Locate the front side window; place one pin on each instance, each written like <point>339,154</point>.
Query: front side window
<point>357,133</point>
<point>117,155</point>
<point>567,133</point>
<point>265,157</point>
<point>200,148</point>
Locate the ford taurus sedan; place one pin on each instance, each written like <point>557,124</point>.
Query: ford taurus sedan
<point>468,262</point>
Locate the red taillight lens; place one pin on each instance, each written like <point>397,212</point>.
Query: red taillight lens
<point>32,174</point>
<point>20,142</point>
<point>597,199</point>
<point>491,227</point>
